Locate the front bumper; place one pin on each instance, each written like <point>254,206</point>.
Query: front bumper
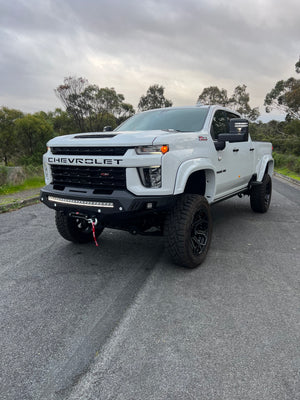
<point>116,204</point>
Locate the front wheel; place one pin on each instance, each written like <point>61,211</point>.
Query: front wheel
<point>75,230</point>
<point>260,195</point>
<point>188,230</point>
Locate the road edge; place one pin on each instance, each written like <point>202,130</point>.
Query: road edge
<point>15,205</point>
<point>287,178</point>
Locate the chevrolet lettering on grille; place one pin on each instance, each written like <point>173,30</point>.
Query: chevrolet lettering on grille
<point>84,161</point>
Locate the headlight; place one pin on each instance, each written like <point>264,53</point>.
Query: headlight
<point>151,177</point>
<point>160,149</point>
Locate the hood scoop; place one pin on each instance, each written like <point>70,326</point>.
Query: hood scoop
<point>95,136</point>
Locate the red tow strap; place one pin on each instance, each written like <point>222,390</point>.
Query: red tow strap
<point>94,232</point>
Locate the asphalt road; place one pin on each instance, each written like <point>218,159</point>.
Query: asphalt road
<point>122,322</point>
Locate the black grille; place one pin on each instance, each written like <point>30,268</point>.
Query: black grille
<point>90,151</point>
<point>102,179</point>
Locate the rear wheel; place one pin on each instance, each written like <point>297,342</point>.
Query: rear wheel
<point>260,195</point>
<point>75,230</point>
<point>188,230</point>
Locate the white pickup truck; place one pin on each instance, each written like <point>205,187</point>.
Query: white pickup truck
<point>157,174</point>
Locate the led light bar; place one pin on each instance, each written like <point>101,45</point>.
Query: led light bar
<point>241,124</point>
<point>81,202</point>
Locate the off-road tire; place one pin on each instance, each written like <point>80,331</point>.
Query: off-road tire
<point>260,195</point>
<point>188,230</point>
<point>75,230</point>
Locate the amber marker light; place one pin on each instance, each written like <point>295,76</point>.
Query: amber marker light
<point>164,149</point>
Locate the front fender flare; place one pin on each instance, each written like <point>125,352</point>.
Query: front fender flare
<point>189,167</point>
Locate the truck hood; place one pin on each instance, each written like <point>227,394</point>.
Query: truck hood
<point>99,139</point>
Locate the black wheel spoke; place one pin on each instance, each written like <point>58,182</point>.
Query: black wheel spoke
<point>199,232</point>
<point>199,242</point>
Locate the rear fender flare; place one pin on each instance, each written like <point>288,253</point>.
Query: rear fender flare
<point>266,164</point>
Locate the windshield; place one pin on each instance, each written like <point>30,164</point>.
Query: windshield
<point>183,120</point>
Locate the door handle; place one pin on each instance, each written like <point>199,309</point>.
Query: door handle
<point>251,149</point>
<point>236,150</point>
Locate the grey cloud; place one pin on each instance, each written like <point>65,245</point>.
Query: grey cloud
<point>197,42</point>
<point>202,33</point>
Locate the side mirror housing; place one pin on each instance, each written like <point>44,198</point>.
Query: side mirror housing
<point>232,137</point>
<point>107,128</point>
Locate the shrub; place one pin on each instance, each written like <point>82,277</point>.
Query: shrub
<point>291,161</point>
<point>286,145</point>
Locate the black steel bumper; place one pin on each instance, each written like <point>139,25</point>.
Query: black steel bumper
<point>118,203</point>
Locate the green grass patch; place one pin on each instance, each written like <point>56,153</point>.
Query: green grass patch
<point>287,172</point>
<point>35,182</point>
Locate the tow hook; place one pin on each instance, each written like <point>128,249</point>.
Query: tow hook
<point>92,221</point>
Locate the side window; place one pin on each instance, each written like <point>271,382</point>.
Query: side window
<point>220,124</point>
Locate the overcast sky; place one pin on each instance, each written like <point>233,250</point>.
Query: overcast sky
<point>184,45</point>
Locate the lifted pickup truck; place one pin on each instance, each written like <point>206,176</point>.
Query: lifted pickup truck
<point>157,174</point>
